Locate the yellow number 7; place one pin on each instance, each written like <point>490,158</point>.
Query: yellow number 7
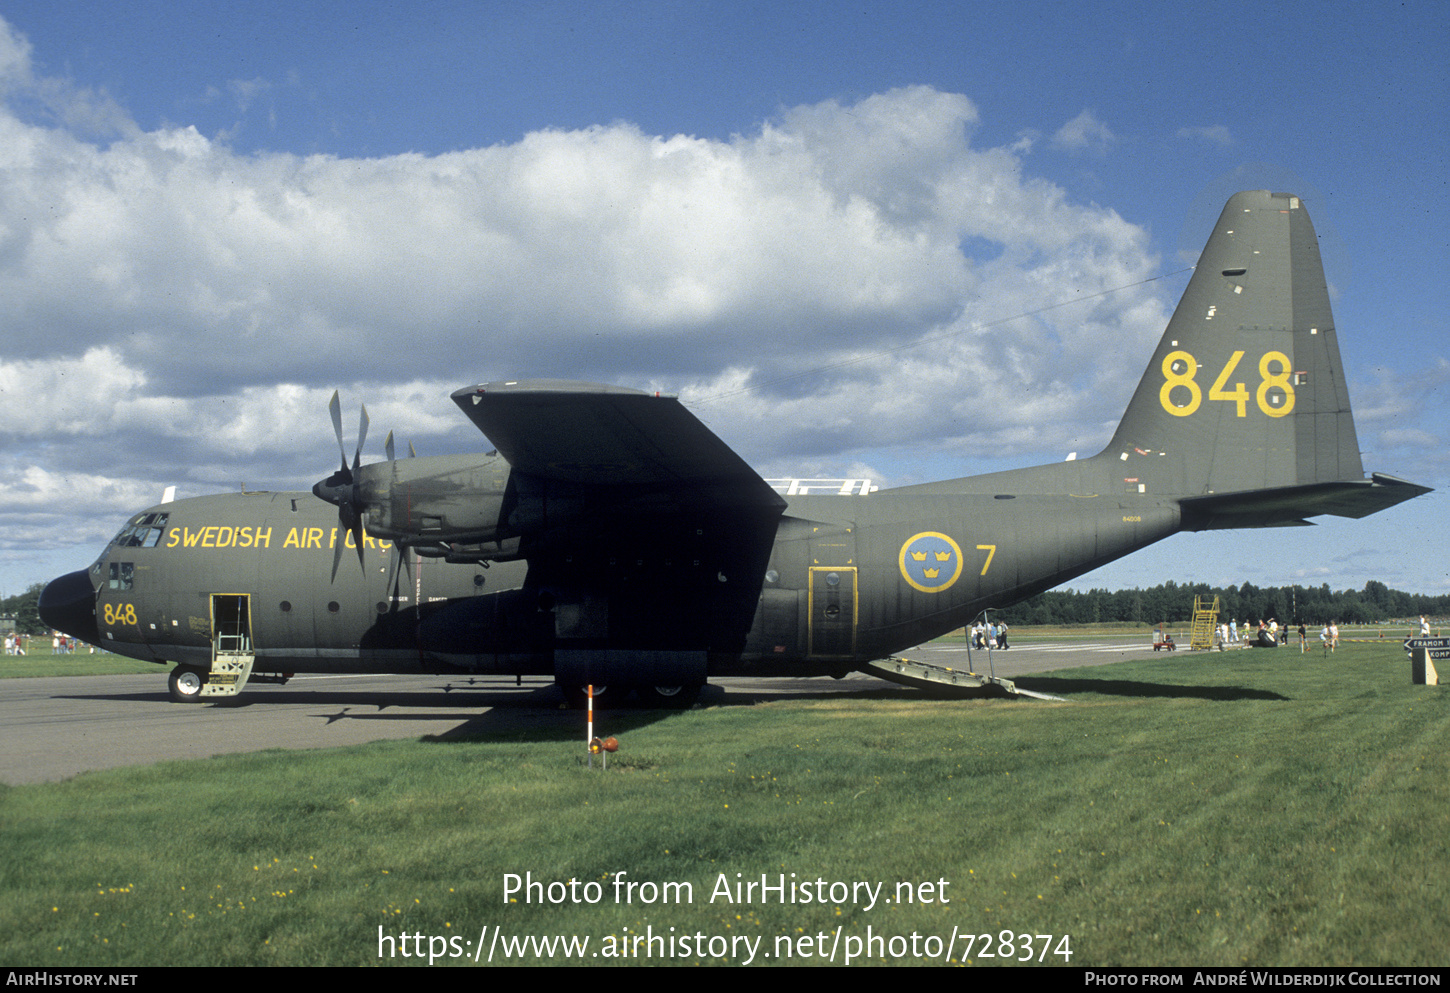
<point>990,550</point>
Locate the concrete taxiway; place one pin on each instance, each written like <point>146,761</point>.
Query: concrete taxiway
<point>55,728</point>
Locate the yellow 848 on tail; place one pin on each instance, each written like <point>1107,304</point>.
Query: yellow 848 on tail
<point>1274,396</point>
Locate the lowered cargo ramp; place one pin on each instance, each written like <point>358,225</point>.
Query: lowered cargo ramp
<point>949,681</point>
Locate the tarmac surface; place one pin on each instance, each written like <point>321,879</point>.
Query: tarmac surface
<point>56,728</point>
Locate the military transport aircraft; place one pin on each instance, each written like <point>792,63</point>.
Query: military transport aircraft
<point>615,540</point>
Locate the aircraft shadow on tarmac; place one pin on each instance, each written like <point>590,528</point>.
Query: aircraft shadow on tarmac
<point>540,715</point>
<point>445,697</point>
<point>537,713</point>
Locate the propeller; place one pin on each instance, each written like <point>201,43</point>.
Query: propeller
<point>388,447</point>
<point>340,489</point>
<point>402,554</point>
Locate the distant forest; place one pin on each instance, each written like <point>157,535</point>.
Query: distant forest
<point>21,607</point>
<point>1247,603</point>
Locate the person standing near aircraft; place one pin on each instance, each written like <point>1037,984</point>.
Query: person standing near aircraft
<point>1424,627</point>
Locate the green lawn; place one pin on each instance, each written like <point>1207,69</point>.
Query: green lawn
<point>40,661</point>
<point>1244,808</point>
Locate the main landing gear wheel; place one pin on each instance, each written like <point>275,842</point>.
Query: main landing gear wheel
<point>605,697</point>
<point>186,682</point>
<point>670,697</point>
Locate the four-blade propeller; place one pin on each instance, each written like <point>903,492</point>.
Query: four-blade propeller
<point>342,490</point>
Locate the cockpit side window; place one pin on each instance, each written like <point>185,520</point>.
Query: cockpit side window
<point>123,575</point>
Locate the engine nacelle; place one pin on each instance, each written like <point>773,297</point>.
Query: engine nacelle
<point>436,501</point>
<point>458,508</point>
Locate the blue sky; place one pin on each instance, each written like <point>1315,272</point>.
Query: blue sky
<point>212,215</point>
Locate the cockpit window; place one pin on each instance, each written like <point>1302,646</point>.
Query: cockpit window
<point>144,531</point>
<point>122,576</point>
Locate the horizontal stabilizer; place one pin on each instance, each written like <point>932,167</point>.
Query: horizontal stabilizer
<point>1290,505</point>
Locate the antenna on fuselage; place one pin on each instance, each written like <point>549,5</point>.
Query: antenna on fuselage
<point>168,494</point>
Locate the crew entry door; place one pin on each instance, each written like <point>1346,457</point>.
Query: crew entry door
<point>232,653</point>
<point>231,625</point>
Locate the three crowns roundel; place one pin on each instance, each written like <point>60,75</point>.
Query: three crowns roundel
<point>930,561</point>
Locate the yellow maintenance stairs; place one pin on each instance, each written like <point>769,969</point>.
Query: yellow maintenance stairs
<point>1205,623</point>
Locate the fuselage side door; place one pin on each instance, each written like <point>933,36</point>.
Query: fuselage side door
<point>832,605</point>
<point>232,651</point>
<point>832,599</point>
<point>231,625</point>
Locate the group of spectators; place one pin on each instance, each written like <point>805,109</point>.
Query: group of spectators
<point>17,643</point>
<point>1269,634</point>
<point>63,644</point>
<point>990,635</point>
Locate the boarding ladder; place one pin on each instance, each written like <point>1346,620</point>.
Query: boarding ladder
<point>232,653</point>
<point>1205,623</point>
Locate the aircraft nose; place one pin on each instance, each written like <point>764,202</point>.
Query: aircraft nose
<point>69,604</point>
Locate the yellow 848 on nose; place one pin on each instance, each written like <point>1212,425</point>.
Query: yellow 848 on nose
<point>119,613</point>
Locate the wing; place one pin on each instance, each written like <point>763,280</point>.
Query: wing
<point>646,530</point>
<point>603,436</point>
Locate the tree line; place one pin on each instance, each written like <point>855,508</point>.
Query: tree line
<point>1173,603</point>
<point>22,607</point>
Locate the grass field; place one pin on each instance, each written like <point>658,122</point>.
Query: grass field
<point>40,662</point>
<point>1246,808</point>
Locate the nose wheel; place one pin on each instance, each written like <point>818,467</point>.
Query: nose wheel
<point>185,683</point>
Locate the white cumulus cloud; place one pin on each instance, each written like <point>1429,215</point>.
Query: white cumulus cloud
<point>178,313</point>
<point>1084,133</point>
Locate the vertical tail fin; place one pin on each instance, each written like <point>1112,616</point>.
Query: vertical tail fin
<point>1246,390</point>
